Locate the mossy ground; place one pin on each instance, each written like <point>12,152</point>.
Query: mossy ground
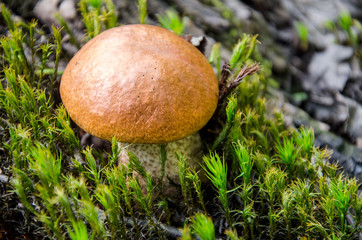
<point>267,181</point>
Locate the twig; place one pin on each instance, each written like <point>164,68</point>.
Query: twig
<point>224,75</point>
<point>226,89</point>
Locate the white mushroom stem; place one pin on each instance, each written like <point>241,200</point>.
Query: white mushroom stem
<point>149,155</point>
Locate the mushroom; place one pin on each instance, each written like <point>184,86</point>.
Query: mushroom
<point>145,86</point>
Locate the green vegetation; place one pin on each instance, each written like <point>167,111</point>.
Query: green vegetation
<point>98,15</point>
<point>172,21</point>
<point>142,10</point>
<point>268,182</point>
<point>347,30</point>
<point>302,32</point>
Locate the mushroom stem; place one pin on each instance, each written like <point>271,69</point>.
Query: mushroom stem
<point>149,155</point>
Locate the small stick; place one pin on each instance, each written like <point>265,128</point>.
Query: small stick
<point>225,89</point>
<point>224,75</point>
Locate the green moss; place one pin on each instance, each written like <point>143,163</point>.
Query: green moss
<point>172,21</point>
<point>268,182</point>
<point>347,31</point>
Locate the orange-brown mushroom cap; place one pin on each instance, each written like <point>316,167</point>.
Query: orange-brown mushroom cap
<point>140,84</point>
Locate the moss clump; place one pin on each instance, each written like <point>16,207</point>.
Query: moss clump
<point>267,182</point>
